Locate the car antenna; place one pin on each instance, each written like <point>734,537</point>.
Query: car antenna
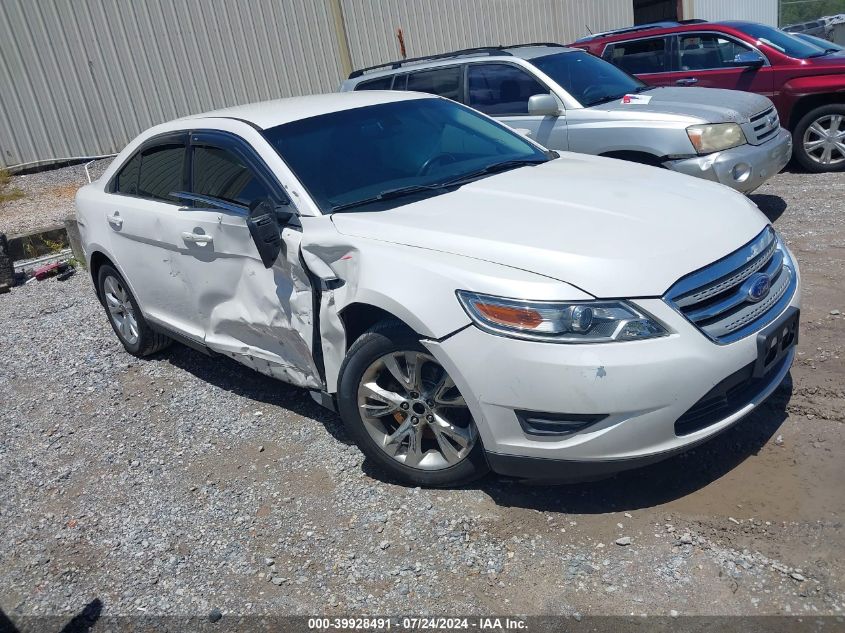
<point>588,29</point>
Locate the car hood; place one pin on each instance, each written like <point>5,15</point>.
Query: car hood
<point>609,227</point>
<point>713,105</point>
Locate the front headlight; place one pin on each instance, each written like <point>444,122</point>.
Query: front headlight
<point>715,137</point>
<point>574,322</point>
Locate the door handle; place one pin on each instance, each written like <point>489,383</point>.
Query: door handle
<point>197,238</point>
<point>115,220</point>
<point>686,81</point>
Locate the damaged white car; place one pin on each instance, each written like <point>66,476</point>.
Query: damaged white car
<point>466,299</point>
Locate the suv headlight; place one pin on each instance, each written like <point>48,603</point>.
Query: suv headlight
<point>712,137</point>
<point>559,322</point>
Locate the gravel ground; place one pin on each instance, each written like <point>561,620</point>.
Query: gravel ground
<point>48,197</point>
<point>180,484</point>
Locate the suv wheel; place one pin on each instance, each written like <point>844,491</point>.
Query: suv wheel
<point>125,316</point>
<point>819,139</point>
<point>403,410</point>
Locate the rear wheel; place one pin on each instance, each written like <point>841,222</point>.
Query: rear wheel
<point>404,411</point>
<point>125,317</point>
<point>819,139</point>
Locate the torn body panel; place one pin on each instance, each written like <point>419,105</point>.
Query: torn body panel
<point>401,280</point>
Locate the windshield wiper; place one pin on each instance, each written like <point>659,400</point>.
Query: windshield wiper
<point>492,169</point>
<point>386,195</point>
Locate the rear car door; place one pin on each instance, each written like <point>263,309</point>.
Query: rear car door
<point>143,219</point>
<point>252,308</point>
<point>715,60</point>
<point>647,58</point>
<point>502,90</point>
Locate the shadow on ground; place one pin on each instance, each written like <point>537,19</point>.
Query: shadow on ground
<point>772,206</point>
<point>641,488</point>
<point>83,622</point>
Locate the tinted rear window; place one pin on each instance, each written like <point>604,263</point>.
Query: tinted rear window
<point>162,171</point>
<point>445,82</point>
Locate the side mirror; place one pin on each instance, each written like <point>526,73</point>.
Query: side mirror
<point>263,223</point>
<point>747,58</point>
<point>543,105</point>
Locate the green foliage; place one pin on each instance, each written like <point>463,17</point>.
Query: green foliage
<point>6,193</point>
<point>795,11</point>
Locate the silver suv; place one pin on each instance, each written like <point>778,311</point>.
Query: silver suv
<point>568,99</point>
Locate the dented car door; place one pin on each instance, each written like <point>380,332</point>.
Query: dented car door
<point>255,310</point>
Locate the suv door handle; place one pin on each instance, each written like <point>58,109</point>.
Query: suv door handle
<point>115,220</point>
<point>197,238</point>
<point>686,81</point>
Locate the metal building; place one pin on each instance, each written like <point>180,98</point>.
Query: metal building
<point>81,78</point>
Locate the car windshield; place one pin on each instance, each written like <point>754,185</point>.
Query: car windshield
<point>589,79</point>
<point>354,159</point>
<point>782,41</point>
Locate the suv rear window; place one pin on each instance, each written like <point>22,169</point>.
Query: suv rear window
<point>382,83</point>
<point>445,82</point>
<point>640,56</point>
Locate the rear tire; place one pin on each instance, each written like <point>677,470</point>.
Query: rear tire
<point>818,140</point>
<point>404,412</point>
<point>125,316</point>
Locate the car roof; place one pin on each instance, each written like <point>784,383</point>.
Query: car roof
<point>488,53</point>
<point>267,114</point>
<point>661,28</point>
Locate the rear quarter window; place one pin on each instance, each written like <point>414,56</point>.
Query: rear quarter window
<point>382,83</point>
<point>126,181</point>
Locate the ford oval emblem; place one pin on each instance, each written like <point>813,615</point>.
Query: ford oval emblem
<point>757,287</point>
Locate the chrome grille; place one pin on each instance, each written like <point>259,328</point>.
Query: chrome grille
<point>716,300</point>
<point>762,126</point>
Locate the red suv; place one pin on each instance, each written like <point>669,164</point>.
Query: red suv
<point>805,81</point>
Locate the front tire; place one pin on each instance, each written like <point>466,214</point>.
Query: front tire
<point>125,316</point>
<point>819,139</point>
<point>404,411</point>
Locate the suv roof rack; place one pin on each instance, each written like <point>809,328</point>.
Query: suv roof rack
<point>641,27</point>
<point>464,52</point>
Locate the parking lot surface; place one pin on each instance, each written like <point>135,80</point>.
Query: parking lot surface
<point>180,484</point>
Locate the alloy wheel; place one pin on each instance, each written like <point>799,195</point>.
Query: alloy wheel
<point>121,312</point>
<point>413,411</point>
<point>824,140</point>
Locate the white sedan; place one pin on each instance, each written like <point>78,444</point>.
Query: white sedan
<point>466,299</point>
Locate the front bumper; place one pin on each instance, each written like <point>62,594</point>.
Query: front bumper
<point>743,168</point>
<point>640,387</point>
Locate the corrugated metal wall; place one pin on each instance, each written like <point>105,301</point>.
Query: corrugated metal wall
<point>765,11</point>
<point>83,77</point>
<point>436,26</point>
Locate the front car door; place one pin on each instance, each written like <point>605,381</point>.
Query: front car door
<point>257,312</point>
<point>716,60</point>
<point>501,90</point>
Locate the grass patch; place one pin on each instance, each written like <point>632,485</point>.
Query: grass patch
<point>7,193</point>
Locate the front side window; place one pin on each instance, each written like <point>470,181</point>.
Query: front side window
<point>498,89</point>
<point>445,82</point>
<point>589,79</point>
<point>703,51</point>
<point>162,171</point>
<point>640,56</point>
<point>428,145</point>
<point>221,174</point>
